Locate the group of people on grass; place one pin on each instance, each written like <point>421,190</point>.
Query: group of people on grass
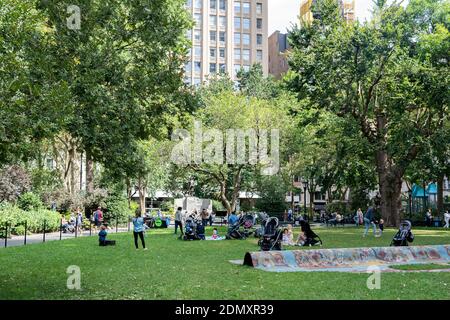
<point>180,216</point>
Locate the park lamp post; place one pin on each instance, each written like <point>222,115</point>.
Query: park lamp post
<point>305,187</point>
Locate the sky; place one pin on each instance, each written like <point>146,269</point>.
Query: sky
<point>284,12</point>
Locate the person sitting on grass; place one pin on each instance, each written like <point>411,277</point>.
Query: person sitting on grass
<point>301,239</point>
<point>288,237</point>
<point>102,237</point>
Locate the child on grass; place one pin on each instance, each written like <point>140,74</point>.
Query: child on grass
<point>102,237</point>
<point>380,227</point>
<point>288,237</point>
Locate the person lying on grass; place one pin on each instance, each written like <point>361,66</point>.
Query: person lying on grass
<point>102,237</point>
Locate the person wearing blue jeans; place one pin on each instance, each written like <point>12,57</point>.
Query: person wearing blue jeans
<point>369,219</point>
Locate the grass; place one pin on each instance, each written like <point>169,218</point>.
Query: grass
<point>425,266</point>
<point>175,269</point>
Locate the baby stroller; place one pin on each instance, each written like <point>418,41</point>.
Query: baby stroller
<point>194,230</point>
<point>260,231</point>
<point>312,238</point>
<point>403,235</point>
<point>241,229</point>
<point>271,238</point>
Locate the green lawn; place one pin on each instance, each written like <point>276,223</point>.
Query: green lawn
<point>174,269</point>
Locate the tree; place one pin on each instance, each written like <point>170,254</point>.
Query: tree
<point>376,75</point>
<point>223,115</point>
<point>14,181</point>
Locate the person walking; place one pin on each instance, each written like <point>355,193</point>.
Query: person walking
<point>359,217</point>
<point>446,219</point>
<point>369,219</point>
<point>428,218</point>
<point>79,221</point>
<point>98,217</point>
<point>205,217</point>
<point>179,220</point>
<point>138,229</point>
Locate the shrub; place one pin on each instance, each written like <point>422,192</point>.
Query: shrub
<point>29,201</point>
<point>16,219</point>
<point>14,181</point>
<point>117,207</point>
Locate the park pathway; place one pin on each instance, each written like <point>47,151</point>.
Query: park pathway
<point>15,241</point>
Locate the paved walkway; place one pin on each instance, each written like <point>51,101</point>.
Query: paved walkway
<point>15,241</point>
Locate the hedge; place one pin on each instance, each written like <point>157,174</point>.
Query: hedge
<point>16,218</point>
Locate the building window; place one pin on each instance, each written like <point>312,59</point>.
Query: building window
<point>319,196</point>
<point>222,22</point>
<point>197,81</point>
<point>197,51</point>
<point>222,68</point>
<point>213,67</point>
<point>222,52</point>
<point>237,54</point>
<point>259,39</point>
<point>212,52</point>
<point>213,4</point>
<point>198,4</point>
<point>197,66</point>
<point>187,80</point>
<point>189,34</point>
<point>188,4</point>
<point>198,20</point>
<point>246,68</point>
<point>213,21</point>
<point>212,35</point>
<point>246,54</point>
<point>246,23</point>
<point>259,55</point>
<point>188,67</point>
<point>259,23</point>
<point>246,39</point>
<point>259,8</point>
<point>222,36</point>
<point>222,4</point>
<point>236,69</point>
<point>237,38</point>
<point>246,7</point>
<point>237,22</point>
<point>197,35</point>
<point>237,7</point>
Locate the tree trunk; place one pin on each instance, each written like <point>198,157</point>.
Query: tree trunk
<point>141,189</point>
<point>440,195</point>
<point>72,169</point>
<point>89,173</point>
<point>128,184</point>
<point>390,184</point>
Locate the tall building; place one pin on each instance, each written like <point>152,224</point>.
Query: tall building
<point>278,50</point>
<point>307,16</point>
<point>228,35</point>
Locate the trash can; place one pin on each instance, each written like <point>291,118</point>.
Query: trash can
<point>437,223</point>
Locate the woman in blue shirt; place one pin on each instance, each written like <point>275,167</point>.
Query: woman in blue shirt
<point>138,230</point>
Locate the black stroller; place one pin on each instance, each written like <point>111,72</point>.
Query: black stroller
<point>272,236</point>
<point>403,235</point>
<point>263,218</point>
<point>194,230</point>
<point>242,229</point>
<point>312,238</point>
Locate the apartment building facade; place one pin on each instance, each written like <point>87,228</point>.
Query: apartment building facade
<point>228,35</point>
<point>307,16</point>
<point>278,51</point>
